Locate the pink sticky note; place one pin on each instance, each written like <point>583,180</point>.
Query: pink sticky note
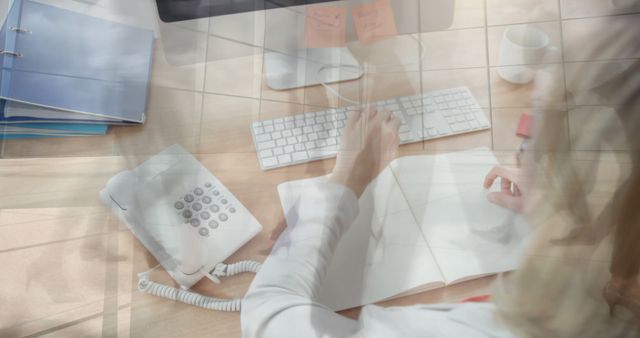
<point>325,27</point>
<point>374,21</point>
<point>525,126</point>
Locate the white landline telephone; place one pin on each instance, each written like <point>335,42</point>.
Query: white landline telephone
<point>187,219</point>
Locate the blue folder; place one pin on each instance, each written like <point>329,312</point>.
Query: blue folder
<point>69,61</point>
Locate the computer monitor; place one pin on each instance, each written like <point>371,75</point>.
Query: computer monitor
<point>278,27</point>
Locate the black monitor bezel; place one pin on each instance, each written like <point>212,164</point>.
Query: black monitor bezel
<point>181,10</point>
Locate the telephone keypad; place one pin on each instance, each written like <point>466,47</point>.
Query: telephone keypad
<point>192,207</point>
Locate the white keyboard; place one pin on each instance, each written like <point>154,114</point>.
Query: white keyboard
<point>314,136</point>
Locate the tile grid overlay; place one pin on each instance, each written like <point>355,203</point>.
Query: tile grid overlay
<point>486,36</point>
<point>107,303</point>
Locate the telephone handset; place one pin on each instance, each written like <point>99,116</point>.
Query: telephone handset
<point>187,219</point>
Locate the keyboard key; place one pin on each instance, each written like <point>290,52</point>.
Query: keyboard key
<point>300,156</point>
<point>292,140</point>
<point>268,129</point>
<point>322,152</point>
<point>299,147</point>
<point>286,158</point>
<point>278,151</point>
<point>287,133</point>
<point>266,153</point>
<point>288,149</point>
<point>406,137</point>
<point>276,135</point>
<point>281,142</point>
<point>258,130</point>
<point>269,162</point>
<point>263,137</point>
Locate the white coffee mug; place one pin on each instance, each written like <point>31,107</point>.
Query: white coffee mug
<point>521,51</point>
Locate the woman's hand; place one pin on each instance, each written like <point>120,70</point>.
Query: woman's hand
<point>369,143</point>
<point>510,195</point>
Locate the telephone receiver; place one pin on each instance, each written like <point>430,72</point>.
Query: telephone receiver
<point>187,219</point>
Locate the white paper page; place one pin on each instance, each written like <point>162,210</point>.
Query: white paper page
<point>468,235</point>
<point>381,255</point>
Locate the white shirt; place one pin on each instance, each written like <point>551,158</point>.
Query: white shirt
<point>281,300</point>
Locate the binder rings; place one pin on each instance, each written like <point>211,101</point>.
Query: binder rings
<point>63,60</point>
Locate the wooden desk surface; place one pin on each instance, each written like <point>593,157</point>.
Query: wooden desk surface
<point>70,268</point>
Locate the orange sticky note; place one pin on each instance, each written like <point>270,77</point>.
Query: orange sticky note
<point>325,26</point>
<point>374,21</point>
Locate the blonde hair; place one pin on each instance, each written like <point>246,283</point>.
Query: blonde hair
<point>557,291</point>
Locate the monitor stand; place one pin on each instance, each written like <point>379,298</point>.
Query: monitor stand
<point>309,67</point>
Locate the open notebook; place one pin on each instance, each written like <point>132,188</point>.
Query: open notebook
<point>424,223</point>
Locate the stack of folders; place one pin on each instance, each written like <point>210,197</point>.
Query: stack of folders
<point>69,74</point>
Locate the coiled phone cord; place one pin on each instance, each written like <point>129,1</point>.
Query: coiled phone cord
<point>192,298</point>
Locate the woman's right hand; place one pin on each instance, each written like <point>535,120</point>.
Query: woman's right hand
<point>511,191</point>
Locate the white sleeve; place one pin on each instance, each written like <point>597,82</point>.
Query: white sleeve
<point>281,301</point>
